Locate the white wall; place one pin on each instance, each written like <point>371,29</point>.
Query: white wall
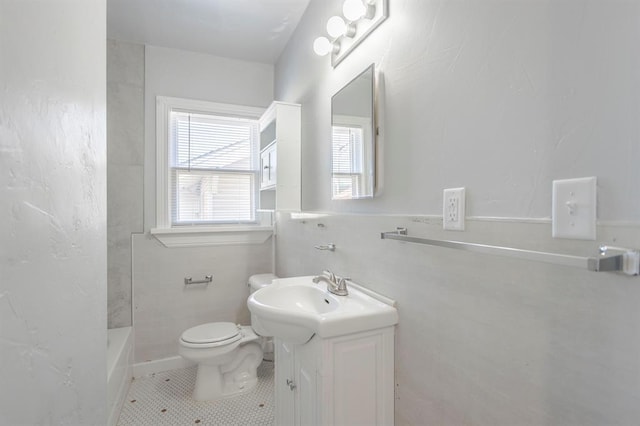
<point>182,74</point>
<point>163,305</point>
<point>53,191</point>
<point>502,98</point>
<point>125,171</point>
<point>510,95</point>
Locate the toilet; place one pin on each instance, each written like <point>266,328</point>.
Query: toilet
<point>227,355</point>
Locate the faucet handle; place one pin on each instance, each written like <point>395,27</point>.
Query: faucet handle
<point>329,275</point>
<point>342,283</point>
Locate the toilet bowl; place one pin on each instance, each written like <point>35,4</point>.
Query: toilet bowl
<point>255,283</point>
<point>227,355</point>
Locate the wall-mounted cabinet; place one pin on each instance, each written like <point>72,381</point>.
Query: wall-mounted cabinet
<point>346,380</point>
<point>280,146</point>
<point>268,166</point>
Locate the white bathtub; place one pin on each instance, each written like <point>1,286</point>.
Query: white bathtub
<point>119,369</point>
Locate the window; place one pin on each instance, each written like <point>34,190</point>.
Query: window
<point>207,174</point>
<point>213,162</point>
<point>347,162</point>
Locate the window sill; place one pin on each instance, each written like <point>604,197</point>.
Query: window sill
<point>212,236</point>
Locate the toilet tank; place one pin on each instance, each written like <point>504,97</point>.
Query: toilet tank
<point>258,281</point>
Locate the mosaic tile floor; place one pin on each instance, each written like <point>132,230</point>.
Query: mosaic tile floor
<point>165,399</point>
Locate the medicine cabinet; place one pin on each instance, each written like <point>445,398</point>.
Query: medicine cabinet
<point>280,140</point>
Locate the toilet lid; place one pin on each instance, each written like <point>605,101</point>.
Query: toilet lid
<point>212,332</point>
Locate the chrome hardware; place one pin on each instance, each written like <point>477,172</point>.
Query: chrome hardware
<point>335,284</point>
<point>330,247</point>
<point>190,281</point>
<point>625,260</point>
<point>291,384</point>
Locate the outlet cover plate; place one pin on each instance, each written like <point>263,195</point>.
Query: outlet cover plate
<point>453,209</point>
<point>574,208</point>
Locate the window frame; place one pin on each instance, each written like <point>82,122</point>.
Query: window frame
<point>196,234</point>
<point>365,124</point>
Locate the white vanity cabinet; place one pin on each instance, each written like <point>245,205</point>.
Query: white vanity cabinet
<point>346,380</point>
<point>280,161</point>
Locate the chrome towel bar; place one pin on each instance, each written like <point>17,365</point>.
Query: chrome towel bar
<point>610,259</point>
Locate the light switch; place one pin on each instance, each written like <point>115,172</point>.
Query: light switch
<point>574,208</point>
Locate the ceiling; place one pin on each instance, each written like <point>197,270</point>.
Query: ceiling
<point>252,30</point>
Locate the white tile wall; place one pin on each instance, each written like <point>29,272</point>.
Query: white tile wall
<point>125,158</point>
<point>164,307</point>
<point>486,340</point>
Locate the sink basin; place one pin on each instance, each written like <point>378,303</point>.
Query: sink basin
<point>296,309</point>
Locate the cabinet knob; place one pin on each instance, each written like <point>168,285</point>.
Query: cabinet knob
<point>291,384</point>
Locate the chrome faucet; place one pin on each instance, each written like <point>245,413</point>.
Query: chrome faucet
<point>336,285</point>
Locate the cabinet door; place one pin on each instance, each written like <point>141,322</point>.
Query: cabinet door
<point>268,167</point>
<point>273,165</point>
<point>285,386</point>
<point>306,379</point>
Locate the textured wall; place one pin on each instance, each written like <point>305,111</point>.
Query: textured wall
<point>53,207</point>
<point>509,95</point>
<point>502,98</point>
<point>125,163</point>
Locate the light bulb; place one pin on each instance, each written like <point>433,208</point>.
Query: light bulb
<point>336,26</point>
<point>322,46</point>
<point>353,9</point>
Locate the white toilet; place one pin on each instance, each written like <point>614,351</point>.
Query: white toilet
<point>228,355</point>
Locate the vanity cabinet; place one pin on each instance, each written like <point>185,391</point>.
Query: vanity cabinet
<point>346,380</point>
<point>280,161</point>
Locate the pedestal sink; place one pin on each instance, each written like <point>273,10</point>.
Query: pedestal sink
<point>296,309</point>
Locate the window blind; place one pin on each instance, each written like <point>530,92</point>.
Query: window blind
<point>213,168</point>
<point>347,161</point>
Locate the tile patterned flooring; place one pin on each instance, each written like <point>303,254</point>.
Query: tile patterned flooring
<point>165,399</point>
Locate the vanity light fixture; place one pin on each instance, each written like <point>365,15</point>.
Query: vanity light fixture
<point>322,46</point>
<point>337,27</point>
<point>353,9</point>
<point>361,17</point>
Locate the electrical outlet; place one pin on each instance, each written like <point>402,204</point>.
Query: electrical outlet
<point>453,209</point>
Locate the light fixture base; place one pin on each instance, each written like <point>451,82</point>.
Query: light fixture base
<point>378,11</point>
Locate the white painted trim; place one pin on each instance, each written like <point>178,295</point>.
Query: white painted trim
<point>416,217</point>
<point>163,108</point>
<point>195,235</point>
<point>142,369</point>
<point>270,114</point>
<point>212,236</point>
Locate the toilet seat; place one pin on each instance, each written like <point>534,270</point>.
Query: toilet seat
<point>211,334</point>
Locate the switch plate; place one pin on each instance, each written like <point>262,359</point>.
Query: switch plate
<point>574,208</point>
<point>453,209</point>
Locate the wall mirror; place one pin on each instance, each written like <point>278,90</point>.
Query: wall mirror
<point>353,140</point>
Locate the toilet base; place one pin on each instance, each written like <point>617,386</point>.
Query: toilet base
<point>226,375</point>
<point>211,384</point>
